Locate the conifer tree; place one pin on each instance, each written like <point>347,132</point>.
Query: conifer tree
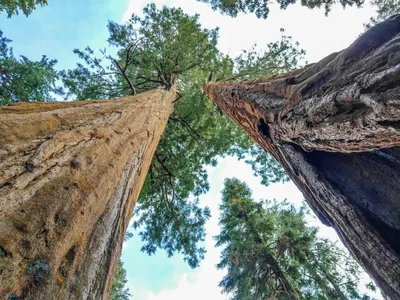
<point>119,291</point>
<point>271,253</point>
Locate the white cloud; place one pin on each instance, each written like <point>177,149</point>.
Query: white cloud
<point>125,245</point>
<point>203,286</point>
<point>134,7</point>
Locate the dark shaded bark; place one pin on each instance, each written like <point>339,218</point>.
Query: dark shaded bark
<point>70,175</point>
<point>335,128</point>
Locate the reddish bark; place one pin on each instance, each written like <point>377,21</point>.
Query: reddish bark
<point>335,128</point>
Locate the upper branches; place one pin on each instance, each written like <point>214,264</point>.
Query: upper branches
<point>261,7</point>
<point>156,50</point>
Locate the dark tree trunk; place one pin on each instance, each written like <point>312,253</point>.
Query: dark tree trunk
<point>70,175</point>
<point>335,128</point>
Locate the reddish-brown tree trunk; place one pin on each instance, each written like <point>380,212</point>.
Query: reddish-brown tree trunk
<point>70,175</point>
<point>334,126</point>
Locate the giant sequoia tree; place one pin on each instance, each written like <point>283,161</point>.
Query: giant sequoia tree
<point>334,127</point>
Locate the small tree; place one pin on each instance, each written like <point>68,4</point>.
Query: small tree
<point>271,253</point>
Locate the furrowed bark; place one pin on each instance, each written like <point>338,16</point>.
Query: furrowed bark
<point>70,175</point>
<point>335,128</point>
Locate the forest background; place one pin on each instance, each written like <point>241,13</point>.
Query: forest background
<point>56,29</point>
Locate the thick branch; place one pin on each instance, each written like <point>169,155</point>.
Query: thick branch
<point>162,164</point>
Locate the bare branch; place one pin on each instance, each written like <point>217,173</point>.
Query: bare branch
<point>132,87</point>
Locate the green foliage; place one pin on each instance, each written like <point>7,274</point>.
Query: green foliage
<point>13,7</point>
<point>384,9</point>
<point>267,243</point>
<point>151,51</point>
<point>261,7</point>
<point>165,47</point>
<point>280,57</point>
<point>265,166</point>
<point>118,289</point>
<point>24,80</point>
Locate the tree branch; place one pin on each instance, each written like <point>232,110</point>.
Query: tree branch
<point>161,162</point>
<point>189,128</point>
<point>131,86</point>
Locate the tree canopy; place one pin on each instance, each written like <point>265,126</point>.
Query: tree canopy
<point>164,47</point>
<point>271,253</point>
<point>14,7</point>
<point>24,80</point>
<point>261,7</point>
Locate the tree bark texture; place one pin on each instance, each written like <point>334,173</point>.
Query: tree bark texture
<point>70,175</point>
<point>335,128</point>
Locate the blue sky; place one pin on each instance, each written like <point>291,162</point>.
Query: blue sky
<point>57,29</point>
<point>158,277</point>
